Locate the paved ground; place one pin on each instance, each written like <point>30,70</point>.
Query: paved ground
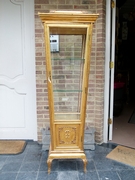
<point>31,165</point>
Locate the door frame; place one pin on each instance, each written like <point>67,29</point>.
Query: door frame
<point>109,72</point>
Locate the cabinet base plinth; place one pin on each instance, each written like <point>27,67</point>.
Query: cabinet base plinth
<point>65,155</point>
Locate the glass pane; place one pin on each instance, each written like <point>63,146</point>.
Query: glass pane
<point>67,73</point>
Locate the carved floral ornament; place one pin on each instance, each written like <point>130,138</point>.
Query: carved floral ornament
<point>67,135</point>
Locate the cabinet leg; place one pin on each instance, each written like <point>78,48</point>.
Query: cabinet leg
<point>85,163</point>
<point>49,162</point>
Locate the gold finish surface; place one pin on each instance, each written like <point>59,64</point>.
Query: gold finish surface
<point>67,135</point>
<point>66,155</point>
<point>67,74</point>
<point>68,17</point>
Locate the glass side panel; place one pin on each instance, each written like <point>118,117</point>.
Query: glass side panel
<point>67,74</point>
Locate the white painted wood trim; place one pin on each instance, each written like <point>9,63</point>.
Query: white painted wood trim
<point>109,55</point>
<point>107,60</point>
<point>31,8</point>
<point>112,70</point>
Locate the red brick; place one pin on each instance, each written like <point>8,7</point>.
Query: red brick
<point>37,6</point>
<point>41,1</point>
<point>61,1</point>
<point>72,1</point>
<point>64,7</point>
<point>81,7</point>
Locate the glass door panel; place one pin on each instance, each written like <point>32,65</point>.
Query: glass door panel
<point>67,74</point>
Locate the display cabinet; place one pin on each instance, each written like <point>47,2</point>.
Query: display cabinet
<point>68,37</point>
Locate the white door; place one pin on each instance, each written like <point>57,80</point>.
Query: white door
<point>17,70</point>
<point>109,70</point>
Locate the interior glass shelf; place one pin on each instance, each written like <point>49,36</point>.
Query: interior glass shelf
<point>66,90</point>
<point>67,116</point>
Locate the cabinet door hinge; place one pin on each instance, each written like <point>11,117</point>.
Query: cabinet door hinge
<point>112,4</point>
<point>111,64</point>
<point>49,76</point>
<point>109,121</point>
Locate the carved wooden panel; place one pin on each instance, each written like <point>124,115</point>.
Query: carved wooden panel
<point>67,135</point>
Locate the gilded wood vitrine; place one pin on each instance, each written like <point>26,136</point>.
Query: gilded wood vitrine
<point>67,70</point>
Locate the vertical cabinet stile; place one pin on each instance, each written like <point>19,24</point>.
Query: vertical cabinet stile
<point>86,77</point>
<point>49,81</point>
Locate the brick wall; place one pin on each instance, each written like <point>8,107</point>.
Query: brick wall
<point>94,115</point>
